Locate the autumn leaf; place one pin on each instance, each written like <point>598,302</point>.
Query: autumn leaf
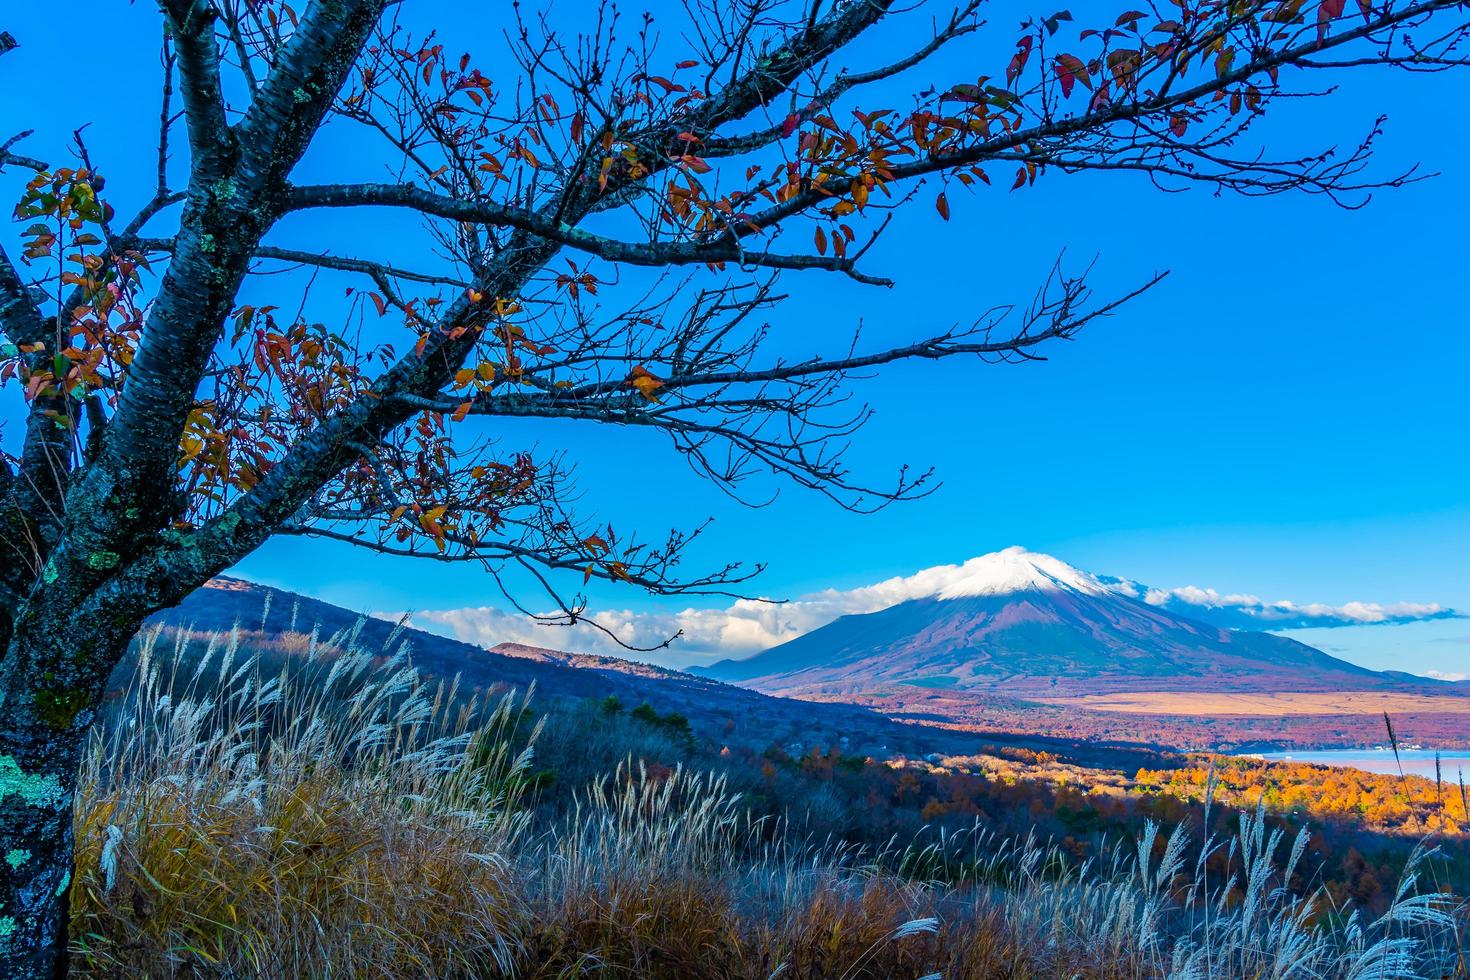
<point>646,383</point>
<point>1327,12</point>
<point>1070,70</point>
<point>941,204</point>
<point>461,412</point>
<point>1018,60</point>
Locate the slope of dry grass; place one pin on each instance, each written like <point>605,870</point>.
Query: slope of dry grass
<point>342,818</point>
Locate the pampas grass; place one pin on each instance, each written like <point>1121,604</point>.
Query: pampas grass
<point>321,821</point>
<point>337,816</point>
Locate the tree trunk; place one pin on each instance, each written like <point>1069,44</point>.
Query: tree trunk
<point>38,773</point>
<point>46,711</point>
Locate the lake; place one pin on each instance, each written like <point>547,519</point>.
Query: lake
<point>1419,762</point>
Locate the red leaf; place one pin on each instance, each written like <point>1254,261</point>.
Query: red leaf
<point>1070,70</point>
<point>1018,60</point>
<point>941,204</point>
<point>1327,12</point>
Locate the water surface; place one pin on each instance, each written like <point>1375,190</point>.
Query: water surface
<point>1418,762</point>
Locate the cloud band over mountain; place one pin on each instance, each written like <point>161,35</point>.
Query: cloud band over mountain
<point>748,626</point>
<point>1243,611</point>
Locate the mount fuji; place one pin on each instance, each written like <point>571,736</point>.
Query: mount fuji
<point>1021,623</point>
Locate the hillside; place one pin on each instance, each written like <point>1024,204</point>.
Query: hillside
<point>531,840</point>
<point>716,710</point>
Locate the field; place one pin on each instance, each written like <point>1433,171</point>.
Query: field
<point>1177,721</point>
<point>1266,705</point>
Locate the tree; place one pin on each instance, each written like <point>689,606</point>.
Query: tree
<point>173,423</point>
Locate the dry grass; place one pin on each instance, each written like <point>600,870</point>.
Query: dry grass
<point>321,822</point>
<point>344,819</point>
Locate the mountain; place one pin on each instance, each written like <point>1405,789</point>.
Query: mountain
<point>1030,625</point>
<point>721,712</point>
<point>1024,652</point>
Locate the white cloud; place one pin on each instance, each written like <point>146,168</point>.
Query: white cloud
<point>747,626</point>
<point>744,627</point>
<point>1249,611</point>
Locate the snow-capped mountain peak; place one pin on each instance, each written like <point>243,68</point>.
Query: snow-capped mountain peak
<point>1025,623</point>
<point>1017,570</point>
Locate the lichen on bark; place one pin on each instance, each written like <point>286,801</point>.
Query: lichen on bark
<point>37,790</point>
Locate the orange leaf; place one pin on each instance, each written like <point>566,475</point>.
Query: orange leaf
<point>646,383</point>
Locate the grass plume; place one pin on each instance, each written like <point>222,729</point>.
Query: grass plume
<point>336,815</point>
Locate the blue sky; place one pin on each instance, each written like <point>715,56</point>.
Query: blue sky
<point>1284,416</point>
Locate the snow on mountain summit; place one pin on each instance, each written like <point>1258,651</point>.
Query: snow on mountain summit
<point>1017,570</point>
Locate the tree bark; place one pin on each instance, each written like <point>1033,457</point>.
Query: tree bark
<point>38,771</point>
<point>43,728</point>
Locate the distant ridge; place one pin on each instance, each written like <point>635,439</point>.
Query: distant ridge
<point>717,710</point>
<point>1028,624</point>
